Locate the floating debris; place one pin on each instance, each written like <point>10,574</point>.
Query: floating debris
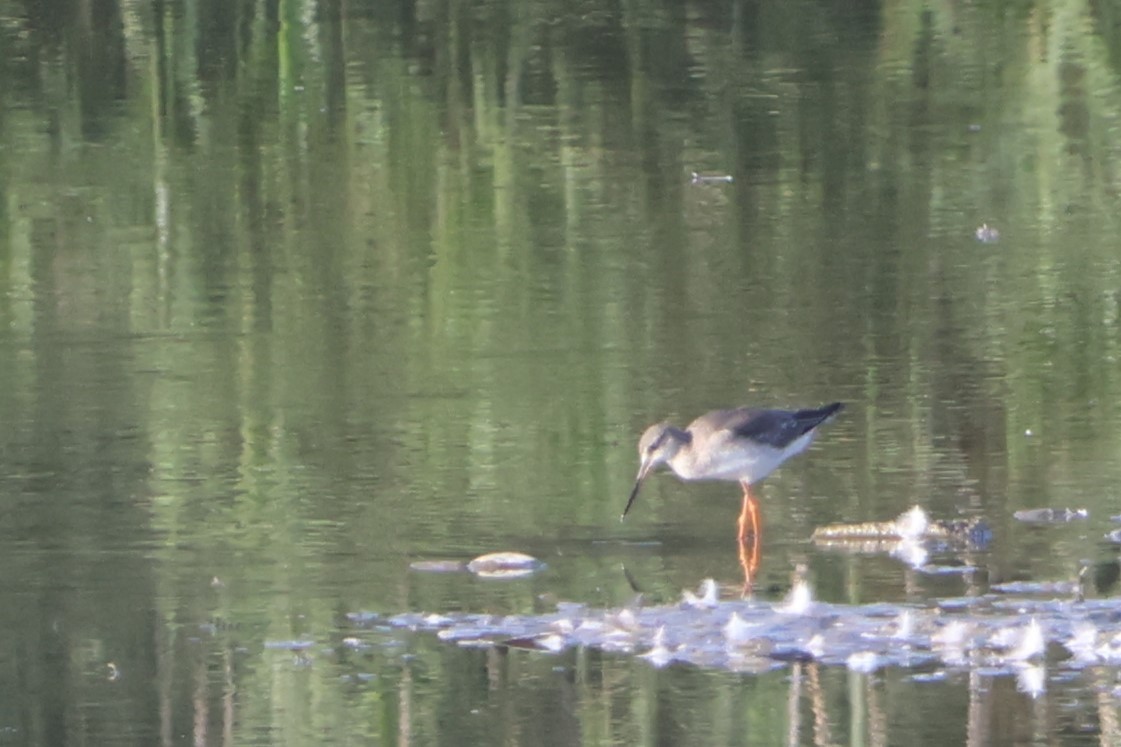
<point>355,643</point>
<point>1050,515</point>
<point>623,620</point>
<point>491,565</point>
<point>863,662</point>
<point>550,643</point>
<point>435,620</point>
<point>1031,680</point>
<point>913,525</point>
<point>953,642</point>
<point>438,566</point>
<point>659,654</point>
<point>911,552</point>
<point>1083,642</point>
<point>358,678</point>
<point>737,631</point>
<point>300,645</point>
<point>1031,643</point>
<point>1089,645</point>
<point>986,234</point>
<point>1051,588</point>
<point>904,626</point>
<point>1001,634</point>
<point>504,565</point>
<point>707,596</point>
<point>711,178</point>
<point>799,601</point>
<point>365,619</point>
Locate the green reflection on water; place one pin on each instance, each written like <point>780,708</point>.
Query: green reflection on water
<point>293,296</point>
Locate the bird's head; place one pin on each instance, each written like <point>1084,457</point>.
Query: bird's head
<point>658,445</point>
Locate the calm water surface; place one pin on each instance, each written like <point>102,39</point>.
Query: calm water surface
<point>294,297</point>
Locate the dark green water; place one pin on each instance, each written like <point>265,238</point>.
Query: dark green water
<point>295,294</point>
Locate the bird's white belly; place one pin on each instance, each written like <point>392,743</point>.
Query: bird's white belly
<point>735,461</point>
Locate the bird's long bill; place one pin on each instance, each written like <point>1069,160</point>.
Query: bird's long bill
<point>634,494</point>
<point>642,471</point>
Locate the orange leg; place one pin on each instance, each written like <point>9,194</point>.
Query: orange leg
<point>749,562</point>
<point>749,549</point>
<point>749,515</point>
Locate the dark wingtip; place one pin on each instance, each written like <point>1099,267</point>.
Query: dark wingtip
<point>810,419</point>
<point>823,413</point>
<point>816,417</point>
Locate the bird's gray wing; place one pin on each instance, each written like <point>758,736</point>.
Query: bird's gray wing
<point>778,428</point>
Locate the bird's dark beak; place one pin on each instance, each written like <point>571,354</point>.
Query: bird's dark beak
<point>642,472</point>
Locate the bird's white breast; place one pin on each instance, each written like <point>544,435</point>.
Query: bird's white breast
<point>734,460</point>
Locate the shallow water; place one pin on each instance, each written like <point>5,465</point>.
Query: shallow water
<point>294,299</point>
